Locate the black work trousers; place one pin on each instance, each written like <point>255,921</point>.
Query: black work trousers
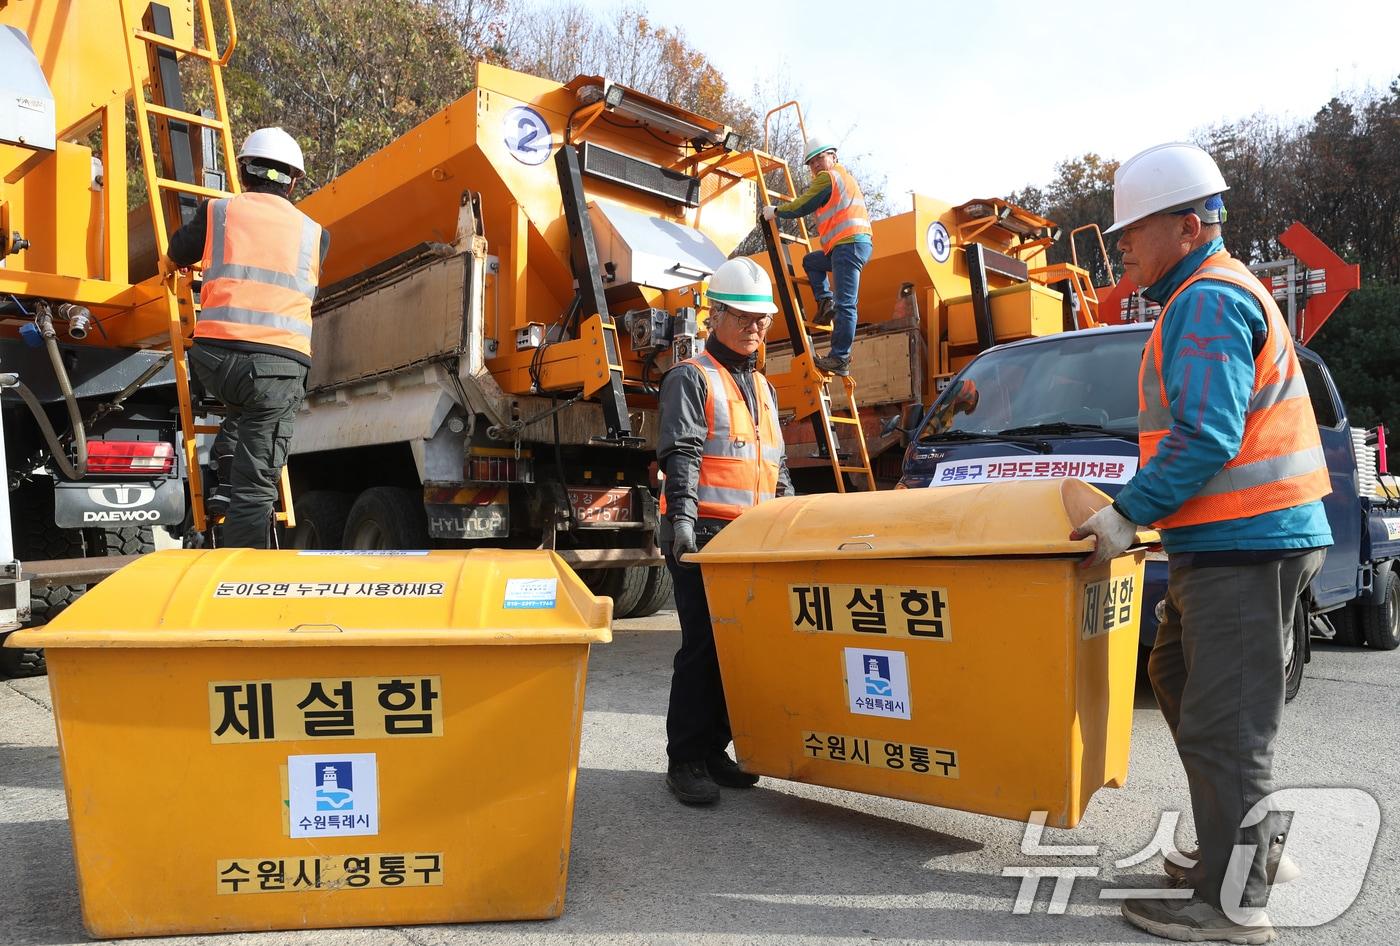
<point>260,393</point>
<point>697,722</point>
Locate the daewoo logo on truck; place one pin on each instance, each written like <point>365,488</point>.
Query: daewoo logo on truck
<point>121,501</point>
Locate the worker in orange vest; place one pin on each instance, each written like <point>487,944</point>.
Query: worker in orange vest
<point>720,447</point>
<point>1231,473</point>
<point>261,261</point>
<point>843,230</point>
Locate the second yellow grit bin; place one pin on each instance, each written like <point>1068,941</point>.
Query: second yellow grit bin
<point>942,645</point>
<point>265,740</point>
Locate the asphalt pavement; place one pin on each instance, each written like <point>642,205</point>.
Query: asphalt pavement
<point>790,863</point>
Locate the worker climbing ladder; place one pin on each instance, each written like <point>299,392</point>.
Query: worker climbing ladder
<point>809,388</point>
<point>153,51</point>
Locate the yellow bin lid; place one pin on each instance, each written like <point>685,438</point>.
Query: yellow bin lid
<point>1020,518</point>
<point>260,598</point>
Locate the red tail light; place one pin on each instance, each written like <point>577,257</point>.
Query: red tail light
<point>488,465</point>
<point>143,457</point>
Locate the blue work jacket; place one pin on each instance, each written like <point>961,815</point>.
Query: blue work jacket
<point>1208,401</point>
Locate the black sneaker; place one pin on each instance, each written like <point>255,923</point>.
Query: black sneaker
<point>830,365</point>
<point>725,771</point>
<point>826,311</point>
<point>217,502</point>
<point>691,783</point>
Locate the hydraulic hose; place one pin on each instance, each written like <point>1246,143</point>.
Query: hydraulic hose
<point>78,469</point>
<point>46,428</point>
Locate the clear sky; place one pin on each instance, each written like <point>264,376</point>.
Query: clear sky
<point>961,100</point>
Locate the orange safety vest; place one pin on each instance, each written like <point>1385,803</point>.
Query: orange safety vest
<point>740,463</point>
<point>843,215</point>
<point>1280,462</point>
<point>262,262</point>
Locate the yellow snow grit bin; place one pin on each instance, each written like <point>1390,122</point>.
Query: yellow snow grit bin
<point>938,645</point>
<point>276,740</point>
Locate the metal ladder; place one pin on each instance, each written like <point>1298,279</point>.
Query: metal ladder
<point>827,417</point>
<point>172,194</point>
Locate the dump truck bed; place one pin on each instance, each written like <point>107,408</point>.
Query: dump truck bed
<point>408,343</point>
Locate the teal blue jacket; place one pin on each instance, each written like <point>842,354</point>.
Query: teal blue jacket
<point>1208,399</point>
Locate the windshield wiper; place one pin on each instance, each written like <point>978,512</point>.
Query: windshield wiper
<point>1061,427</point>
<point>989,436</point>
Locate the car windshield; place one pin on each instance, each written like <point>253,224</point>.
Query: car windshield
<point>1086,379</point>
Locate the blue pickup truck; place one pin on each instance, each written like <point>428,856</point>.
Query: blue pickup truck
<point>1066,405</point>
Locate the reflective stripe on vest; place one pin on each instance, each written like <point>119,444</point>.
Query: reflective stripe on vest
<point>1280,463</point>
<point>740,461</point>
<point>261,267</point>
<point>844,214</point>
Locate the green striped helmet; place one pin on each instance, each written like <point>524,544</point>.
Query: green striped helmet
<point>744,285</point>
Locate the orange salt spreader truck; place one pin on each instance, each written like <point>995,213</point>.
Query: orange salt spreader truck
<point>944,282</point>
<point>506,284</point>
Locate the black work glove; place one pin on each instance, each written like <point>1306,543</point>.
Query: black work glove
<point>682,540</point>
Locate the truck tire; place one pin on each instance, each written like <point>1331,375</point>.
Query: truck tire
<point>387,517</point>
<point>604,582</point>
<point>133,541</point>
<point>1381,623</point>
<point>1296,655</point>
<point>20,663</point>
<point>36,539</point>
<point>629,594</point>
<point>657,592</point>
<point>321,516</point>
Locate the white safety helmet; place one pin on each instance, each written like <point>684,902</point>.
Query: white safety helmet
<point>817,145</point>
<point>273,144</point>
<point>1164,177</point>
<point>744,285</point>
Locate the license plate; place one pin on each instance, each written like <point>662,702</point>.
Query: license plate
<point>602,505</point>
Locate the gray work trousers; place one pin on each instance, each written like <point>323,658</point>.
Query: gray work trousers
<point>260,393</point>
<point>1217,668</point>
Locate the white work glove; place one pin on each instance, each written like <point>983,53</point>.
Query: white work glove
<point>682,539</point>
<point>768,212</point>
<point>1112,532</point>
